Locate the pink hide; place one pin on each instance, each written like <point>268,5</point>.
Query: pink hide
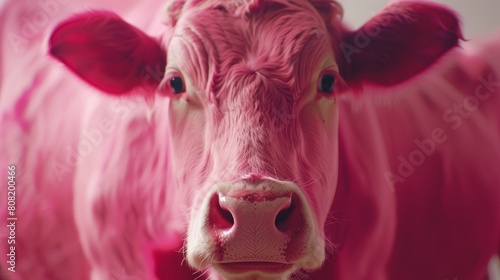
<point>112,187</point>
<point>35,92</point>
<point>433,143</point>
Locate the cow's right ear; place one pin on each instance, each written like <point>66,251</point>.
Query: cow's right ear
<point>109,53</point>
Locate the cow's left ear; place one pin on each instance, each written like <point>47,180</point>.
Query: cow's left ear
<point>398,43</point>
<point>109,53</point>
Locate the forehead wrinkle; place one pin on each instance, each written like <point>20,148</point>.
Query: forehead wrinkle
<point>312,59</point>
<point>287,58</point>
<point>194,57</point>
<point>279,37</point>
<point>222,42</point>
<point>283,37</point>
<point>271,42</point>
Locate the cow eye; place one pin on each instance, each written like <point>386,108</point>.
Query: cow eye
<point>177,85</point>
<point>327,83</point>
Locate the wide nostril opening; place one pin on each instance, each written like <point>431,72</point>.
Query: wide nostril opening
<point>289,217</point>
<point>226,215</point>
<point>220,217</point>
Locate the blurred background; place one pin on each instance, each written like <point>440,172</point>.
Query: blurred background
<point>479,17</point>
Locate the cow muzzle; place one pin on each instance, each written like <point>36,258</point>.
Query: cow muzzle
<point>262,227</point>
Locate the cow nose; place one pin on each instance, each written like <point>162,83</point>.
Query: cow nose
<point>251,224</point>
<point>268,213</point>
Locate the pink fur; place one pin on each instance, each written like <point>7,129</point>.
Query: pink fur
<point>128,202</point>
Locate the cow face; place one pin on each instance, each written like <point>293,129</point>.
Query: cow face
<point>254,123</point>
<point>253,116</point>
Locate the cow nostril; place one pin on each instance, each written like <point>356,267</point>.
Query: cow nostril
<point>285,219</point>
<point>282,217</point>
<point>220,217</point>
<point>226,215</point>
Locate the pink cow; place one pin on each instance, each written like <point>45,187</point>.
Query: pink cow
<point>251,140</point>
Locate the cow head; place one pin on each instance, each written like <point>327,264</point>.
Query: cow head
<point>252,89</point>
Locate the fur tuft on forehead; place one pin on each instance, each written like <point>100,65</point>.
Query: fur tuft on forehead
<point>329,9</point>
<point>279,43</point>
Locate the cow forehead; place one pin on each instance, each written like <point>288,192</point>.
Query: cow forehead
<point>217,42</point>
<point>242,8</point>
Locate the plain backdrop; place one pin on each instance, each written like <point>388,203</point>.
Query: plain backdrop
<point>479,17</point>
